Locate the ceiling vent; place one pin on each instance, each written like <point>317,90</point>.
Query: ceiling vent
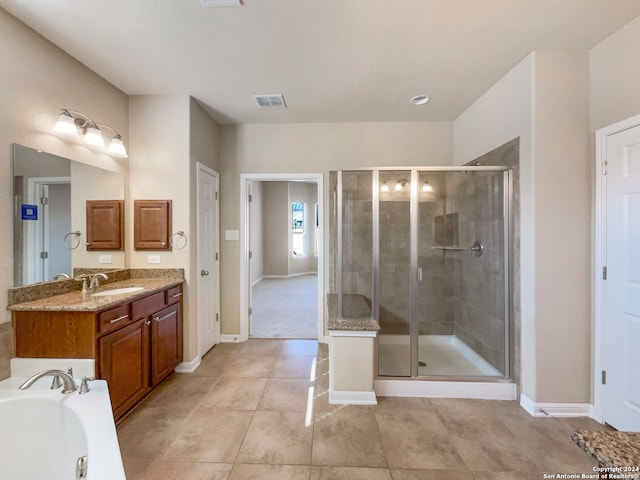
<point>270,101</point>
<point>220,3</point>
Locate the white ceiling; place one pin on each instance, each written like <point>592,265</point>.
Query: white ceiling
<point>333,60</point>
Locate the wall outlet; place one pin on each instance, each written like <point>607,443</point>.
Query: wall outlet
<point>153,258</point>
<point>104,259</point>
<point>231,235</point>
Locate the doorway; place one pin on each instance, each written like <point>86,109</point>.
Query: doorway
<point>617,276</point>
<point>281,256</point>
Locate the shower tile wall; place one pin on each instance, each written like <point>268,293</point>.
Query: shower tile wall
<point>478,282</point>
<point>508,155</point>
<point>395,230</point>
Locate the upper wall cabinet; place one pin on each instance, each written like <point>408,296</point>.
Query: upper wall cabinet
<point>151,224</point>
<point>105,224</point>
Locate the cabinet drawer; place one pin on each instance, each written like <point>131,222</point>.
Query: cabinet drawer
<point>113,319</point>
<point>173,295</point>
<point>147,305</point>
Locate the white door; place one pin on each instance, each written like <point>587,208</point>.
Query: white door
<point>622,297</point>
<point>208,259</point>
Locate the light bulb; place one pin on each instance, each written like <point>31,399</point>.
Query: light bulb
<point>66,123</point>
<point>116,147</point>
<point>385,187</point>
<point>93,136</point>
<point>427,188</point>
<point>398,186</point>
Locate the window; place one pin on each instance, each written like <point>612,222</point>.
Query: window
<point>298,246</point>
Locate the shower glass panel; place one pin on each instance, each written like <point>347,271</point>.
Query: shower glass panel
<point>356,244</point>
<point>461,290</point>
<point>394,296</point>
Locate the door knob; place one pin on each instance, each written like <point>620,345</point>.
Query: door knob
<point>204,273</point>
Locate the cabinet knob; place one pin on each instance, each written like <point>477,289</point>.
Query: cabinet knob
<point>147,323</point>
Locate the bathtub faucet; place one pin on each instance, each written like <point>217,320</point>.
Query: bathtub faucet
<point>68,385</point>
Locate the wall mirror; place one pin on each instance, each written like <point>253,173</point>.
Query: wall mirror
<point>49,227</point>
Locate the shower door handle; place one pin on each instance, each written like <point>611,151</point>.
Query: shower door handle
<point>419,274</point>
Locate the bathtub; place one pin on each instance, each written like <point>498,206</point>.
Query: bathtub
<point>45,434</point>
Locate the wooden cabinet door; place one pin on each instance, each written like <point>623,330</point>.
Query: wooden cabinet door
<point>151,224</point>
<point>166,342</point>
<point>105,225</point>
<point>124,364</point>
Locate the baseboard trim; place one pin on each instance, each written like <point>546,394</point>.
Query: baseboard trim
<point>436,389</point>
<point>352,398</point>
<point>555,409</point>
<point>230,338</point>
<point>257,281</point>
<point>293,275</point>
<point>189,367</point>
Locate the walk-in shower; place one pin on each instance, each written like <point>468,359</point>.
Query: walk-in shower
<point>425,252</point>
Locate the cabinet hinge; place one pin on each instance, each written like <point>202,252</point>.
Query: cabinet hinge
<point>604,377</point>
<point>44,255</point>
<point>604,273</point>
<point>44,200</point>
<point>604,168</point>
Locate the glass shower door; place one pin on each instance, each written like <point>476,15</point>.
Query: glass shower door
<point>462,282</point>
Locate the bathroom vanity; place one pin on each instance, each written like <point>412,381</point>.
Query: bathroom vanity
<point>135,337</point>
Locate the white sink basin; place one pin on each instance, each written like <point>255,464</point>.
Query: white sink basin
<point>117,291</point>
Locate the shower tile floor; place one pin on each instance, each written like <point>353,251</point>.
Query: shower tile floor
<point>442,355</point>
<point>259,410</point>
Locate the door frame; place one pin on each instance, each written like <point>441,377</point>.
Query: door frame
<point>245,277</point>
<point>200,167</point>
<point>599,262</point>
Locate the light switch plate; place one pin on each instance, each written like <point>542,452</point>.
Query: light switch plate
<point>231,235</point>
<point>153,258</point>
<point>104,259</point>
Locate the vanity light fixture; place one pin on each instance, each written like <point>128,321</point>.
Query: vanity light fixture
<point>77,123</point>
<point>400,185</point>
<point>384,187</point>
<point>427,187</point>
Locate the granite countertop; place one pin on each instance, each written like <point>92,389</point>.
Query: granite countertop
<point>356,313</point>
<point>612,449</point>
<point>77,301</point>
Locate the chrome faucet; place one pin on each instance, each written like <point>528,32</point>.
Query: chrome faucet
<point>68,385</point>
<point>95,280</point>
<point>61,276</point>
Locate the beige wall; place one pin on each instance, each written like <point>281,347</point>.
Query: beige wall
<point>38,79</point>
<point>615,76</point>
<point>544,101</point>
<point>275,229</point>
<point>169,134</point>
<point>312,148</point>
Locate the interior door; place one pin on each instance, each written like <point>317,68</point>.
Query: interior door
<point>622,315</point>
<point>208,260</point>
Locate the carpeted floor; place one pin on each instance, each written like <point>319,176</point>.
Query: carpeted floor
<point>285,308</point>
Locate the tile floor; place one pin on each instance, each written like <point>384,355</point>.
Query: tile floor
<point>245,414</point>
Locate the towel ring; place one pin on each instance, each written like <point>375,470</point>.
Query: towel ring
<point>76,240</point>
<point>183,241</point>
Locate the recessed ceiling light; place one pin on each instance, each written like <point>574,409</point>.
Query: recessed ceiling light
<point>419,99</point>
